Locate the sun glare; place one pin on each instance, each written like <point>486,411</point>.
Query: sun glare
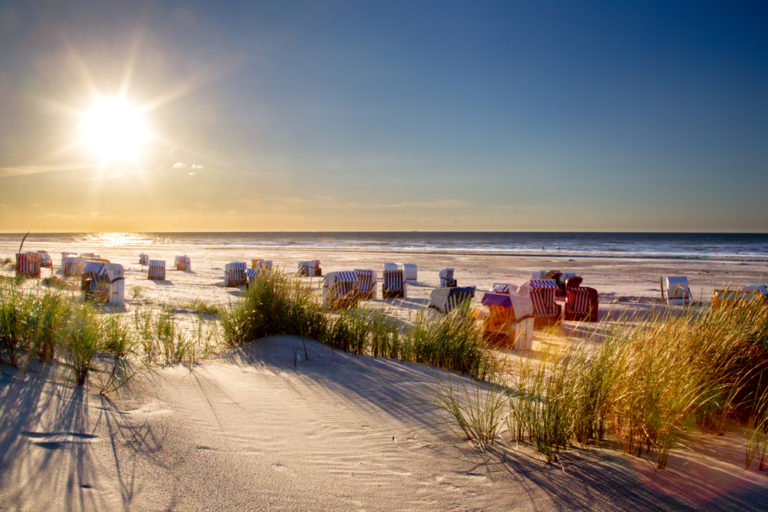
<point>113,130</point>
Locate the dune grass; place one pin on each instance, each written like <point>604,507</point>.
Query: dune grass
<point>279,304</point>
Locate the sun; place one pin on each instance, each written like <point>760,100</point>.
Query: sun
<point>113,130</point>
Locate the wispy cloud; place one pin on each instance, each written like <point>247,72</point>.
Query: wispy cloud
<point>24,170</point>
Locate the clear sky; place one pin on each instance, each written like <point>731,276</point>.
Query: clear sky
<point>413,115</point>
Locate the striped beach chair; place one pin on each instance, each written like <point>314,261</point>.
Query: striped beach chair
<point>507,288</point>
<point>182,263</point>
<point>72,266</point>
<point>250,276</point>
<point>676,290</point>
<point>65,255</point>
<point>103,282</point>
<point>156,270</point>
<point>447,299</point>
<point>393,285</point>
<point>366,284</point>
<point>581,304</point>
<point>446,278</point>
<point>143,259</point>
<point>743,294</point>
<point>28,264</point>
<point>310,268</point>
<point>510,320</point>
<point>339,289</point>
<point>234,274</point>
<point>45,259</point>
<point>263,267</point>
<point>542,294</point>
<point>390,266</point>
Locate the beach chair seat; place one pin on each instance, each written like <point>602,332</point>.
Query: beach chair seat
<point>183,263</point>
<point>28,264</point>
<point>510,320</point>
<point>410,272</point>
<point>393,285</point>
<point>677,291</point>
<point>234,274</point>
<point>45,259</point>
<point>447,299</point>
<point>581,304</point>
<point>143,259</point>
<point>366,284</point>
<point>542,294</point>
<point>446,278</point>
<point>156,270</point>
<point>72,266</point>
<point>744,294</point>
<point>339,290</point>
<point>310,268</point>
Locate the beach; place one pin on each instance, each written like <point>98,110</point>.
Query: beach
<point>261,426</point>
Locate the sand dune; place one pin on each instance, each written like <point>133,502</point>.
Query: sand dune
<point>262,428</point>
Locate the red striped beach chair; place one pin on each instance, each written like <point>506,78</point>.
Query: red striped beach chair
<point>393,285</point>
<point>156,270</point>
<point>28,264</point>
<point>234,274</point>
<point>542,294</point>
<point>366,284</point>
<point>581,304</point>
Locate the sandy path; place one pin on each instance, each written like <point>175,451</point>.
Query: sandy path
<point>249,431</point>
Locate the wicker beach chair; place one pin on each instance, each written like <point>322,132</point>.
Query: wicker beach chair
<point>143,259</point>
<point>156,270</point>
<point>676,291</point>
<point>393,285</point>
<point>581,302</point>
<point>45,259</point>
<point>510,320</point>
<point>182,263</point>
<point>72,266</point>
<point>28,264</point>
<point>234,274</point>
<point>542,294</point>
<point>741,294</point>
<point>366,284</point>
<point>446,278</point>
<point>310,268</point>
<point>447,299</point>
<point>411,272</point>
<point>339,290</point>
<point>103,282</point>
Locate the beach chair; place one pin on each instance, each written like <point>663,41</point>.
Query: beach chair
<point>743,294</point>
<point>263,267</point>
<point>339,290</point>
<point>446,278</point>
<point>676,290</point>
<point>183,263</point>
<point>255,261</point>
<point>89,256</point>
<point>510,320</point>
<point>504,288</point>
<point>310,268</point>
<point>28,264</point>
<point>234,274</point>
<point>65,255</point>
<point>73,266</point>
<point>156,270</point>
<point>446,299</point>
<point>410,272</point>
<point>45,259</point>
<point>143,259</point>
<point>581,302</point>
<point>366,284</point>
<point>103,282</point>
<point>390,266</point>
<point>542,294</point>
<point>393,285</point>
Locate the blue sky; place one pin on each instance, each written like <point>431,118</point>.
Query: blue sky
<point>391,115</point>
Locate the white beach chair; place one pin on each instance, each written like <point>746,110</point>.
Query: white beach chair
<point>366,284</point>
<point>542,295</point>
<point>45,259</point>
<point>234,274</point>
<point>446,278</point>
<point>339,289</point>
<point>411,272</point>
<point>677,291</point>
<point>445,299</point>
<point>310,268</point>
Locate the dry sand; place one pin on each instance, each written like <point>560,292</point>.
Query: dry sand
<point>261,428</point>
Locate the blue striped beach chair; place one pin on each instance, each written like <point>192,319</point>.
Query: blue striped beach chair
<point>393,285</point>
<point>156,270</point>
<point>446,278</point>
<point>339,289</point>
<point>234,274</point>
<point>447,299</point>
<point>366,284</point>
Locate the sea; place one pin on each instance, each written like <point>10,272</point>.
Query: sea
<point>738,246</point>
